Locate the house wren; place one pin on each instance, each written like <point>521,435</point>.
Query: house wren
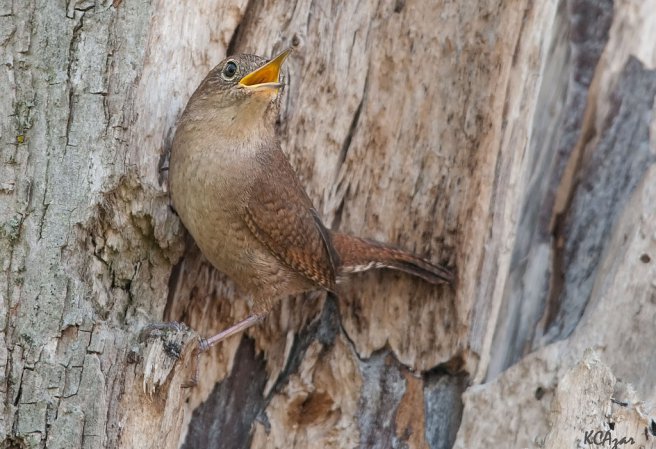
<point>240,199</point>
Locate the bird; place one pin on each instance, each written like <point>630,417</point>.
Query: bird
<point>242,202</point>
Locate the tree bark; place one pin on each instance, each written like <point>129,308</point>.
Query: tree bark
<point>511,140</point>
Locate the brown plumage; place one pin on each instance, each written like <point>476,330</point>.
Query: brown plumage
<point>240,199</point>
<point>357,254</point>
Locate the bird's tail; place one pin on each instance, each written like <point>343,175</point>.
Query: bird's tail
<point>358,255</point>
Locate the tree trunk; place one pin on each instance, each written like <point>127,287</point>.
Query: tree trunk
<point>511,140</point>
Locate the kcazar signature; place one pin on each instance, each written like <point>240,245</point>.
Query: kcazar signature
<point>606,438</point>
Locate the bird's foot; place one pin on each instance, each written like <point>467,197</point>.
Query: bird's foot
<point>206,343</point>
<point>164,345</point>
<point>174,335</point>
<point>167,332</point>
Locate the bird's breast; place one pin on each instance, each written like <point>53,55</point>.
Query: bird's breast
<point>210,185</point>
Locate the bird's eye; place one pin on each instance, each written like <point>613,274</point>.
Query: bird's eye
<point>229,70</point>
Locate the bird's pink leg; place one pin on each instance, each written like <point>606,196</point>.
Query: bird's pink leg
<point>207,343</point>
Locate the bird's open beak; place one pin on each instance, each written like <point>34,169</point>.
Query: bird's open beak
<point>267,76</point>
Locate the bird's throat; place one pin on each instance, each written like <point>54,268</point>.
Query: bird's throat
<point>250,120</point>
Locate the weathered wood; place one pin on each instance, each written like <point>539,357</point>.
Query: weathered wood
<point>592,408</point>
<point>535,301</point>
<point>87,238</point>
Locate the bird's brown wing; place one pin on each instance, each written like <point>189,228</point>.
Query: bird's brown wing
<point>281,216</point>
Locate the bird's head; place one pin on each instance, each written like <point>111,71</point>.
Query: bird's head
<point>241,90</point>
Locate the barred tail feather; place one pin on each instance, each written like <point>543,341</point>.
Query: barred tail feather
<point>356,255</point>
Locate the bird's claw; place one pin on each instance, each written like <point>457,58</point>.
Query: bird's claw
<point>173,346</point>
